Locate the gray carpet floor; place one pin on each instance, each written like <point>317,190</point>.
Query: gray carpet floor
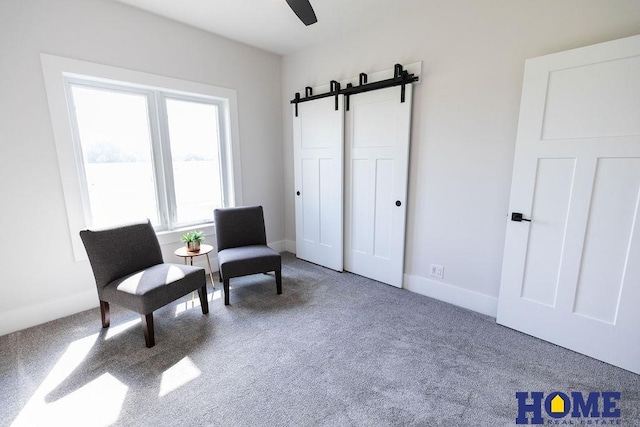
<point>335,349</point>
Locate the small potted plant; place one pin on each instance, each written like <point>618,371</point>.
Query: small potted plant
<point>192,240</point>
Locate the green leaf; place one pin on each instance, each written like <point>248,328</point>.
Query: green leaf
<point>193,236</point>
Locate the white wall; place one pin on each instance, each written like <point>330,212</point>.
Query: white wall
<point>39,278</point>
<point>464,119</point>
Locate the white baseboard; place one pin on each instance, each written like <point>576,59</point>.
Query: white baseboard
<point>290,246</point>
<point>32,315</point>
<point>279,246</point>
<point>451,294</point>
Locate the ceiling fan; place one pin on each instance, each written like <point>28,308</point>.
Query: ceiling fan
<point>303,9</point>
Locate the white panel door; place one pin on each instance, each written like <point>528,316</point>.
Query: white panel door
<point>571,276</point>
<point>377,128</point>
<point>318,167</point>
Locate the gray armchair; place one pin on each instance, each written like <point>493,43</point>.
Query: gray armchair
<point>242,246</point>
<point>129,271</point>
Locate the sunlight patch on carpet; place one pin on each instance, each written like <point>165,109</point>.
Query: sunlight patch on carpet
<point>194,302</point>
<point>178,375</point>
<point>97,402</point>
<point>112,331</point>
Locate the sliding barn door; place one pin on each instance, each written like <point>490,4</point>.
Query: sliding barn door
<point>318,167</point>
<point>377,128</point>
<point>571,275</point>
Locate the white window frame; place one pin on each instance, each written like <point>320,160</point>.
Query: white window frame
<point>58,72</point>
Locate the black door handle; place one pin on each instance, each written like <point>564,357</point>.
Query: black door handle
<point>297,193</point>
<point>517,217</point>
<point>398,203</point>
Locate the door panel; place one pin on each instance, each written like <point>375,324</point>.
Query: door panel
<point>553,185</point>
<point>359,222</point>
<point>310,186</point>
<point>383,238</point>
<point>571,275</point>
<point>377,128</point>
<point>575,106</point>
<point>379,117</point>
<point>318,169</point>
<point>613,216</point>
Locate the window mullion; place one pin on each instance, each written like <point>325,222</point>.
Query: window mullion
<point>167,161</point>
<point>225,159</point>
<point>155,123</point>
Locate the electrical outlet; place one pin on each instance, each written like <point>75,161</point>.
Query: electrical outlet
<point>436,270</point>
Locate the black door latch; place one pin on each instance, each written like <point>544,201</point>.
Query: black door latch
<point>517,217</point>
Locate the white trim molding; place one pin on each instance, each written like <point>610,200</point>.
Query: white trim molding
<point>279,246</point>
<point>290,246</point>
<point>452,294</point>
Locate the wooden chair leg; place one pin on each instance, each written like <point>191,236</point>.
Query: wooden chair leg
<point>147,325</point>
<point>279,281</point>
<point>225,283</point>
<point>104,314</point>
<point>204,303</point>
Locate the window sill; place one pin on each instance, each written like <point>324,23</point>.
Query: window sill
<point>173,236</point>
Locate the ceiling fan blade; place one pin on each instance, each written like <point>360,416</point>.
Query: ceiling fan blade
<point>303,9</point>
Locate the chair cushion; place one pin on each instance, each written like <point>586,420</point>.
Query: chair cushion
<point>236,262</point>
<point>153,287</point>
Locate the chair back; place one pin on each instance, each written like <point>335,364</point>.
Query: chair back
<point>120,251</point>
<point>236,227</point>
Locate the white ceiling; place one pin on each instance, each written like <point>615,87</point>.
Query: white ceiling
<point>271,25</point>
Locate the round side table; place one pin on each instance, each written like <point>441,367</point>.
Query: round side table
<point>204,250</point>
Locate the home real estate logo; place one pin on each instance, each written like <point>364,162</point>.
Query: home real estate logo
<point>575,408</point>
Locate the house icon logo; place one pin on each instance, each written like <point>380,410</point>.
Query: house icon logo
<point>557,405</point>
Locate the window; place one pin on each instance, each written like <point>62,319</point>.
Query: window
<point>133,145</point>
<point>147,154</point>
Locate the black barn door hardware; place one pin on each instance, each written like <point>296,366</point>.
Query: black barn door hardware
<point>517,217</point>
<point>295,101</point>
<point>335,88</point>
<point>362,79</point>
<point>400,77</point>
<point>346,98</point>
